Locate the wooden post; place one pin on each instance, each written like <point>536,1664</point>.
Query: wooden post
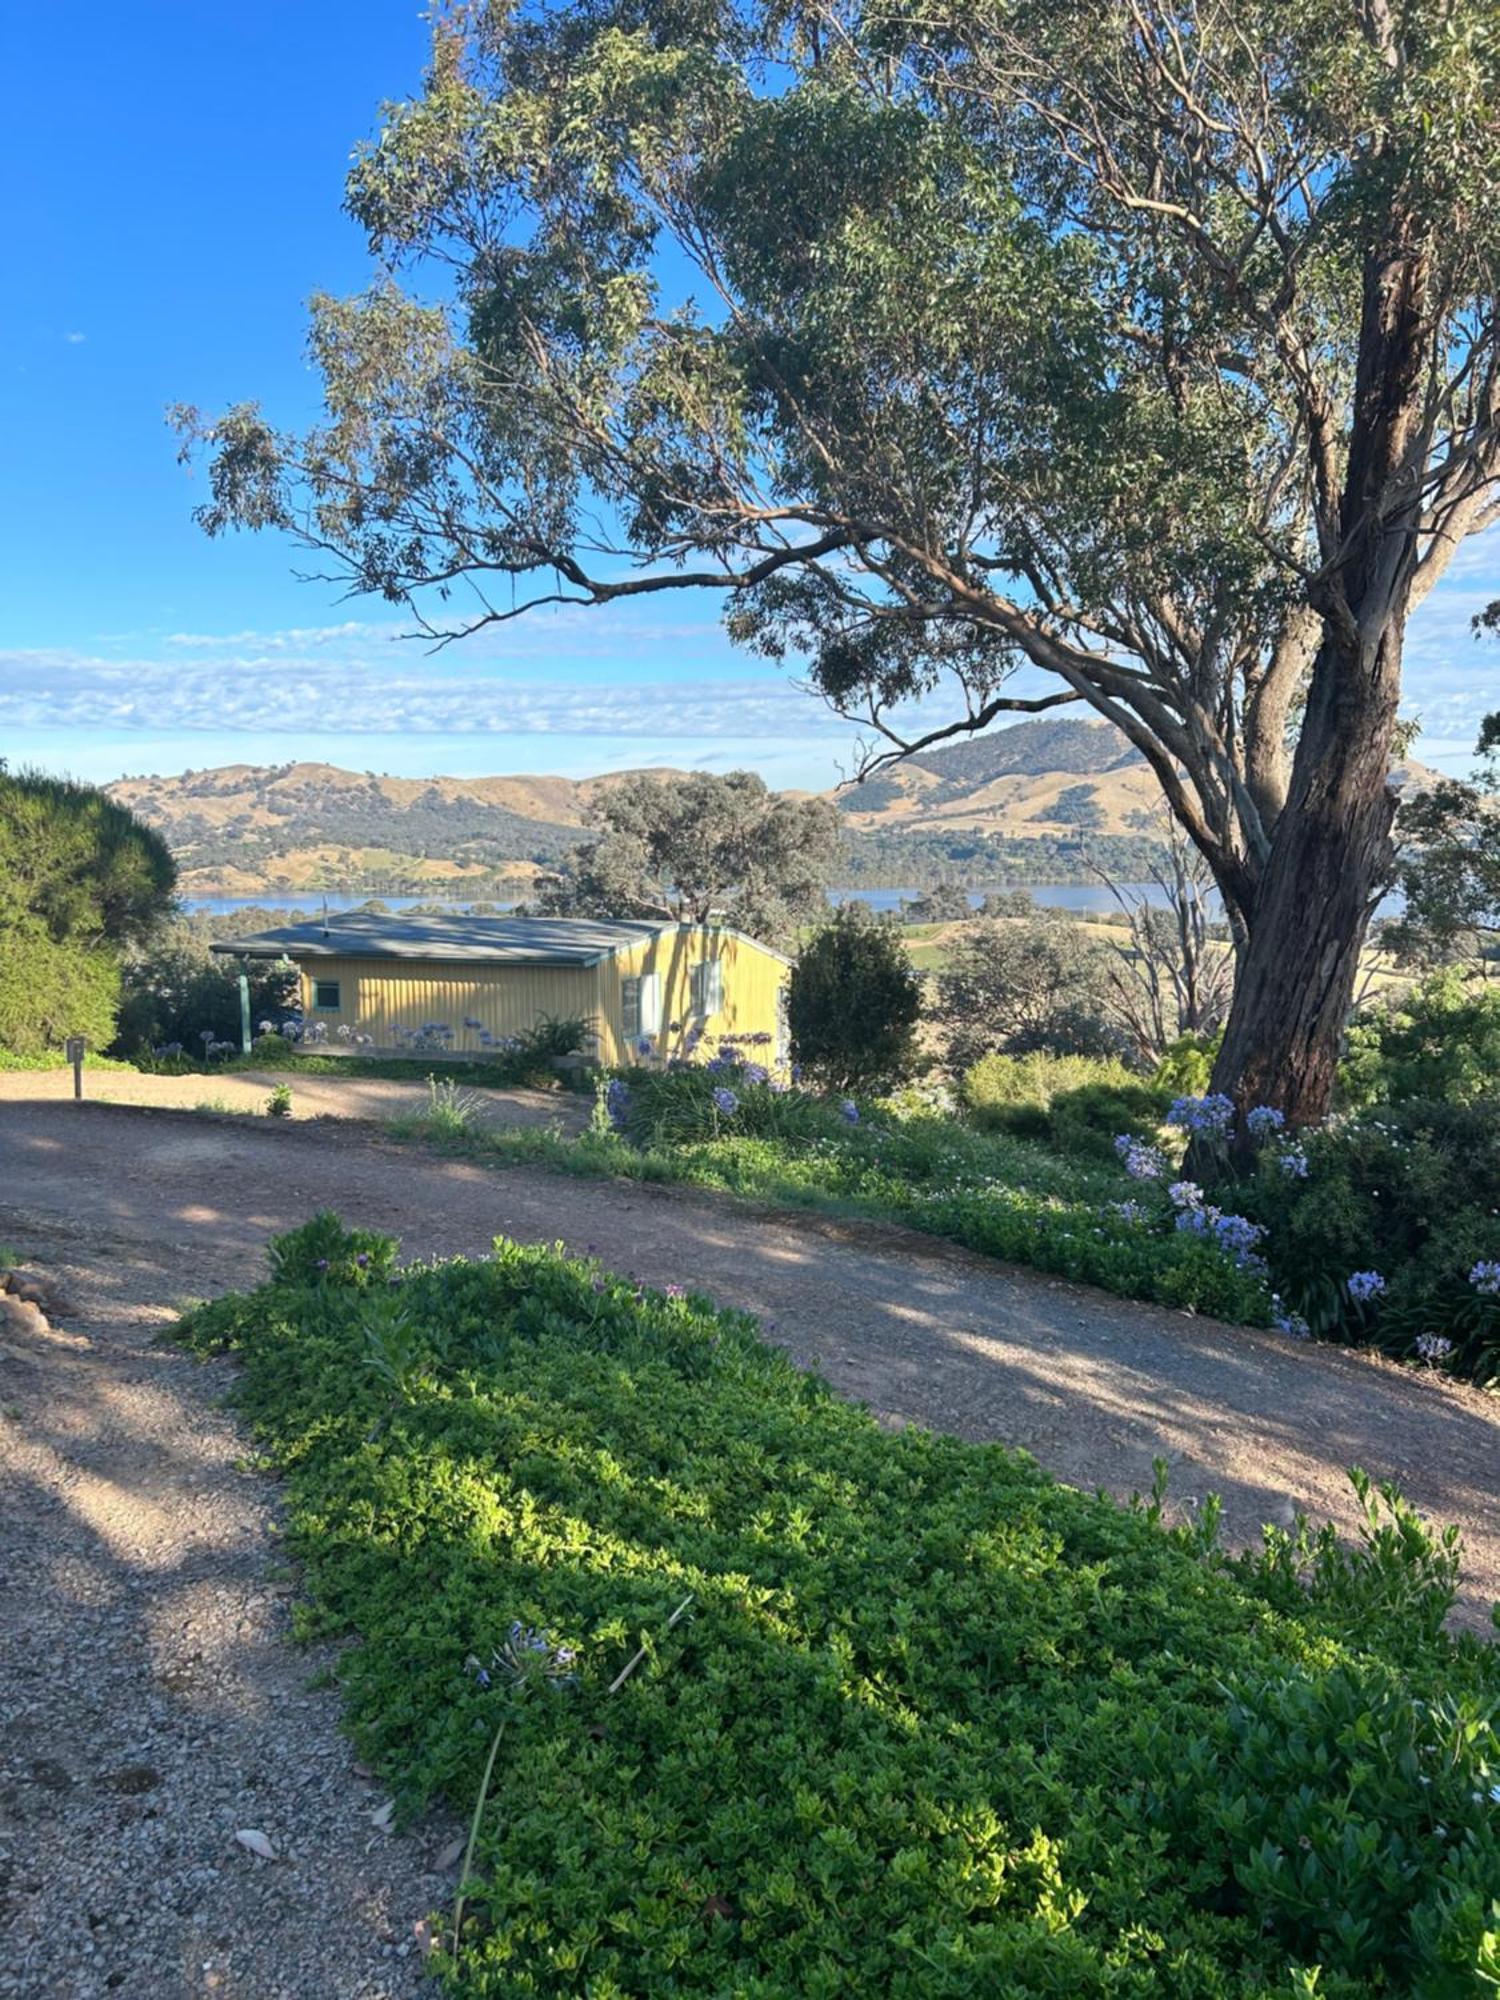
<point>74,1050</point>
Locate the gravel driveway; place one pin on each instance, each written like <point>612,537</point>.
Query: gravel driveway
<point>313,1096</point>
<point>148,1709</point>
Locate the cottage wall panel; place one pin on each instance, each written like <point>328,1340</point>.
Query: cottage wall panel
<point>378,996</point>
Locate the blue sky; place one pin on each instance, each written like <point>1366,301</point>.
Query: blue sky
<point>174,179</point>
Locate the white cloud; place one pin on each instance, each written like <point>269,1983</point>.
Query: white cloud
<point>281,688</point>
<point>75,339</point>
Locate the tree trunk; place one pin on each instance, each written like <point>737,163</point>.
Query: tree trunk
<point>1331,850</point>
<point>1330,857</point>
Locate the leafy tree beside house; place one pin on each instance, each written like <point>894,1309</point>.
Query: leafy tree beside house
<point>854,1002</point>
<point>688,848</point>
<point>82,881</point>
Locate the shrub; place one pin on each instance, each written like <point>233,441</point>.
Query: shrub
<point>1440,1041</point>
<point>1019,986</point>
<point>853,1003</point>
<point>1079,1103</point>
<point>175,988</point>
<point>279,1103</point>
<point>50,990</point>
<point>1187,1067</point>
<point>1411,1191</point>
<point>931,1724</point>
<point>676,1107</point>
<point>322,1252</point>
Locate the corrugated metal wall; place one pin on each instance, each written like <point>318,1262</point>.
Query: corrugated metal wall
<point>377,996</point>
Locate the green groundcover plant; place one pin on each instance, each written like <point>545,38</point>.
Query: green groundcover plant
<point>931,1724</point>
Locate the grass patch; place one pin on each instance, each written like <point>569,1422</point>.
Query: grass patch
<point>497,1075</point>
<point>10,1060</point>
<point>933,1726</point>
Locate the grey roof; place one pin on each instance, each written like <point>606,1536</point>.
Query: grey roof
<point>492,940</point>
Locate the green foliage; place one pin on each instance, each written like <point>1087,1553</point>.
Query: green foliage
<point>701,845</point>
<point>175,989</point>
<point>324,1253</point>
<point>853,1003</point>
<point>1186,1069</point>
<point>50,989</point>
<point>944,903</point>
<point>80,881</point>
<point>1078,1103</point>
<point>279,1103</point>
<point>933,1725</point>
<point>675,1107</point>
<point>1440,1041</point>
<point>930,341</point>
<point>1015,986</point>
<point>1449,870</point>
<point>1409,1190</point>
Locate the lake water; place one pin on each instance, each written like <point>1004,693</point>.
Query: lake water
<point>1051,895</point>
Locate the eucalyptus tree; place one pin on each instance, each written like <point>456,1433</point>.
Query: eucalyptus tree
<point>690,846</point>
<point>1150,344</point>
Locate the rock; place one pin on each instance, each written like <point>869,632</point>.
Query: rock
<point>21,1316</point>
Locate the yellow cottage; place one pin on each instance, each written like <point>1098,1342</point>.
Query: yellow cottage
<point>384,979</point>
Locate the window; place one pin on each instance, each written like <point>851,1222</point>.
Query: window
<point>326,998</point>
<point>630,1008</point>
<point>708,987</point>
<point>640,1006</point>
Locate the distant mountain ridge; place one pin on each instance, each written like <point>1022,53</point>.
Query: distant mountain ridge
<point>1031,802</point>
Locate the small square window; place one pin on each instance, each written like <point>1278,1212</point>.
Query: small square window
<point>326,999</point>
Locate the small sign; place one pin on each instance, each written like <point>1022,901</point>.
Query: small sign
<point>73,1048</point>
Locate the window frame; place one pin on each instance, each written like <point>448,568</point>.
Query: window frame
<point>321,1006</point>
<point>708,987</point>
<point>630,1006</point>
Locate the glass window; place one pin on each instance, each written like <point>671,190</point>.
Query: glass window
<point>708,987</point>
<point>630,1008</point>
<point>326,998</point>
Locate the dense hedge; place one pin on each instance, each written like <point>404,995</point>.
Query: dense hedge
<point>933,1725</point>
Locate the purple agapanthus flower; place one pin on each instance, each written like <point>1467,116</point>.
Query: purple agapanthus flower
<point>849,1110</point>
<point>1140,1161</point>
<point>1185,1194</point>
<point>725,1101</point>
<point>1433,1347</point>
<point>1289,1322</point>
<point>1485,1277</point>
<point>1207,1117</point>
<point>1293,1163</point>
<point>1264,1120</point>
<point>1365,1285</point>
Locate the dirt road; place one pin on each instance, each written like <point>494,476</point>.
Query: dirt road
<point>1094,1386</point>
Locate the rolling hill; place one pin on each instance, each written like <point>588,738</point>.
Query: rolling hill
<point>1031,803</point>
